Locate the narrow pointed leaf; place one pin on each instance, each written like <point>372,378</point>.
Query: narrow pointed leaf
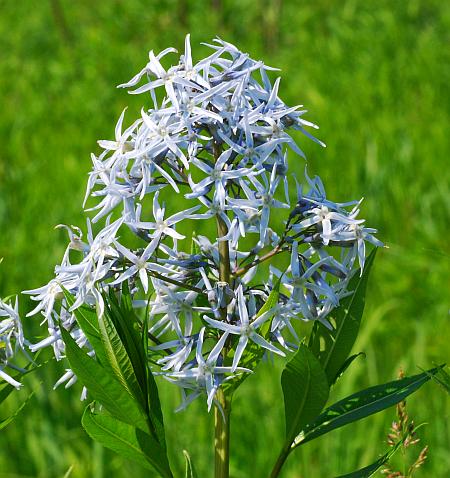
<point>332,347</point>
<point>127,441</point>
<point>88,322</point>
<point>370,470</point>
<point>119,361</point>
<point>362,404</point>
<point>346,365</point>
<point>127,326</point>
<point>305,391</point>
<point>102,385</point>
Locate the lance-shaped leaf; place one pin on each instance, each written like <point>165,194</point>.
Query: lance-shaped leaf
<point>119,361</point>
<point>332,347</point>
<point>346,365</point>
<point>370,470</point>
<point>127,325</point>
<point>305,391</point>
<point>88,322</point>
<point>103,385</point>
<point>127,441</point>
<point>361,405</point>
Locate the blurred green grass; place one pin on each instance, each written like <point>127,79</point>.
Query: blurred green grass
<point>374,76</point>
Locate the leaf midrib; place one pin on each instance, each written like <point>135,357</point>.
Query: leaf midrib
<point>346,414</point>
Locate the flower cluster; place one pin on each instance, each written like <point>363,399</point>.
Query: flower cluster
<point>11,340</point>
<point>214,147</point>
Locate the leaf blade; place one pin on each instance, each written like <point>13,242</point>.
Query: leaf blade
<point>125,440</point>
<point>103,385</point>
<point>370,470</point>
<point>305,391</point>
<point>361,405</point>
<point>340,340</point>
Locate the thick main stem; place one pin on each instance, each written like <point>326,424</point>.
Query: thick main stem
<point>222,412</point>
<point>224,255</point>
<point>222,407</point>
<point>280,462</point>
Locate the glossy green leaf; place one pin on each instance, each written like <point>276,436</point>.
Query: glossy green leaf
<point>103,386</point>
<point>362,404</point>
<point>190,470</point>
<point>370,470</point>
<point>305,390</point>
<point>88,321</point>
<point>119,361</point>
<point>346,365</point>
<point>127,326</point>
<point>332,347</point>
<point>127,441</point>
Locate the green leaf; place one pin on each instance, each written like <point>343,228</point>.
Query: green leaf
<point>370,470</point>
<point>346,365</point>
<point>88,321</point>
<point>68,472</point>
<point>362,404</point>
<point>305,391</point>
<point>332,347</point>
<point>442,378</point>
<point>4,423</point>
<point>272,300</point>
<point>127,441</point>
<point>127,326</point>
<point>103,385</point>
<point>190,470</point>
<point>119,361</point>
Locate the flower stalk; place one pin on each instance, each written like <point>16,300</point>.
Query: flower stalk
<point>222,411</point>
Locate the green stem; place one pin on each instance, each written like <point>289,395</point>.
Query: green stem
<point>224,252</point>
<point>222,407</point>
<point>281,459</point>
<point>222,435</point>
<point>265,257</point>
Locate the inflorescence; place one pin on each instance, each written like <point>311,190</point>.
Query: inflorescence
<point>215,144</point>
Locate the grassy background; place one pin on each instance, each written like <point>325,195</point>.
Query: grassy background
<point>374,75</point>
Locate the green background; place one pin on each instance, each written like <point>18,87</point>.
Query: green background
<point>373,74</point>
